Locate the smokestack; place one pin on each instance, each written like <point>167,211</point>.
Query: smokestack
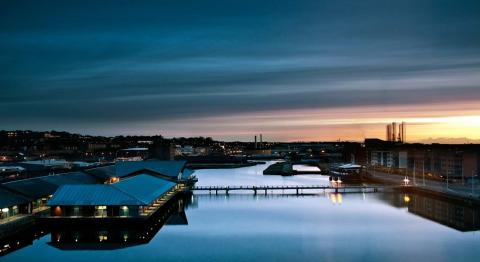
<point>389,132</point>
<point>394,131</point>
<point>261,139</point>
<point>255,141</point>
<point>404,132</point>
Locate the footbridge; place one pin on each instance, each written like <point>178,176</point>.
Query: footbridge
<point>292,189</point>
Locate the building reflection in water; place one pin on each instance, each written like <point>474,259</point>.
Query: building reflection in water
<point>457,214</point>
<point>116,237</point>
<point>21,239</point>
<point>100,237</point>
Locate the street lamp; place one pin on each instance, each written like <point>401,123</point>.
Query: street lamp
<point>473,180</point>
<point>448,173</point>
<point>414,181</point>
<point>423,172</point>
<point>406,181</point>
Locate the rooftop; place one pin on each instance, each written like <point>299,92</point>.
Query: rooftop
<point>141,189</point>
<point>124,168</point>
<point>43,186</point>
<point>91,195</point>
<point>8,198</point>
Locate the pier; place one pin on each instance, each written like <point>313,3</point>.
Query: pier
<point>297,189</point>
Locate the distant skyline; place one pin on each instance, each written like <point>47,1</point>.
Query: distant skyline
<point>291,70</point>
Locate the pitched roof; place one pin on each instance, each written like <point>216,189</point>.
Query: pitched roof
<point>8,198</point>
<point>43,186</point>
<point>103,172</point>
<point>187,173</point>
<point>166,168</point>
<point>33,187</point>
<point>145,188</point>
<point>91,195</point>
<point>142,189</point>
<point>70,179</point>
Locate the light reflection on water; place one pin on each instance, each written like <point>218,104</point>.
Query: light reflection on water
<point>254,176</point>
<point>322,227</point>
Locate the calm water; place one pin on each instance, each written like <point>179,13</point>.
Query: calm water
<point>325,227</point>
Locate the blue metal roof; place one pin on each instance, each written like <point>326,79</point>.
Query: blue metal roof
<point>8,198</point>
<point>103,172</point>
<point>32,187</point>
<point>187,173</point>
<point>166,168</point>
<point>71,178</point>
<point>91,195</point>
<point>145,188</point>
<point>44,186</point>
<point>141,189</point>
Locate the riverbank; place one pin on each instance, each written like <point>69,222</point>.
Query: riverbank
<point>432,187</point>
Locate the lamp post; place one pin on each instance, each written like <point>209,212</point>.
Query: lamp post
<point>448,172</point>
<point>414,181</point>
<point>473,180</point>
<point>423,171</point>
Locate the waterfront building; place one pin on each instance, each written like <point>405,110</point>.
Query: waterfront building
<point>40,189</point>
<point>174,171</point>
<point>130,189</point>
<point>30,196</point>
<point>441,160</point>
<point>136,196</point>
<point>12,205</point>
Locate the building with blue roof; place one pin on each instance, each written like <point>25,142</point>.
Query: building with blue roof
<point>126,189</point>
<point>12,204</point>
<point>174,171</point>
<point>135,196</point>
<point>40,189</point>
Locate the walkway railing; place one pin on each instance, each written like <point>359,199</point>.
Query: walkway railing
<point>297,188</point>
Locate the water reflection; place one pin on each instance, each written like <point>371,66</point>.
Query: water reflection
<point>457,214</point>
<point>21,239</point>
<point>103,237</point>
<point>305,227</point>
<point>336,198</point>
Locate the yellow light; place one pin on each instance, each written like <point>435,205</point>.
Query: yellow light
<point>406,198</point>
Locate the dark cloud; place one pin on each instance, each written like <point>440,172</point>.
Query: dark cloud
<point>91,63</point>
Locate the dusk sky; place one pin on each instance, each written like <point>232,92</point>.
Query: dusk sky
<point>292,70</point>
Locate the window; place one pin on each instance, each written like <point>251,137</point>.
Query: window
<point>100,211</point>
<point>76,211</point>
<point>4,213</point>
<point>124,211</point>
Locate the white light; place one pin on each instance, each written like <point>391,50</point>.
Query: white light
<point>5,210</point>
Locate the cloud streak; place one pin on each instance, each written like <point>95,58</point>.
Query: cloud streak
<point>96,67</point>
